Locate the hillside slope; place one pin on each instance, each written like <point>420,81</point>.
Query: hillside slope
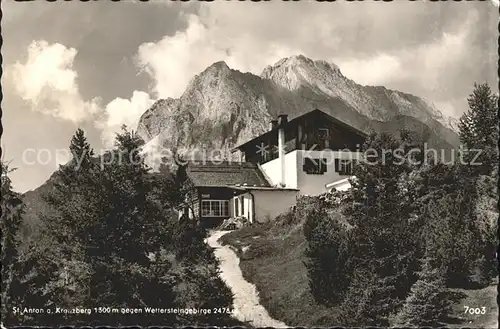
<point>272,257</point>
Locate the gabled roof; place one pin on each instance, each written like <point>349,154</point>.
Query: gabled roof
<point>207,173</point>
<point>300,118</point>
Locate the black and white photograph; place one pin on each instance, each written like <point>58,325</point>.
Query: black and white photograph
<point>250,164</point>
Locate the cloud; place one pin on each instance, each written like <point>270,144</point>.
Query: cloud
<point>174,60</point>
<point>431,59</point>
<point>48,82</point>
<point>429,51</point>
<point>372,71</point>
<point>427,70</point>
<point>245,36</point>
<point>122,112</point>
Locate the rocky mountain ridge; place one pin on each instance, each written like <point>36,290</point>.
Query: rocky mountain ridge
<point>222,107</point>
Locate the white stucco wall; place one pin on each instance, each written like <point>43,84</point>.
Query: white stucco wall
<point>231,208</point>
<point>273,170</point>
<point>310,184</point>
<point>295,177</point>
<point>269,204</point>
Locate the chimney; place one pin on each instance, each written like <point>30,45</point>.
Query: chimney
<point>274,124</point>
<point>281,146</point>
<point>282,119</point>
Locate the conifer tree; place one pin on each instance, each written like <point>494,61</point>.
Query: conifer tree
<point>428,303</point>
<point>12,210</point>
<point>382,233</point>
<point>479,133</point>
<point>357,308</point>
<point>478,130</point>
<point>448,207</point>
<point>81,149</point>
<point>111,217</point>
<point>326,257</point>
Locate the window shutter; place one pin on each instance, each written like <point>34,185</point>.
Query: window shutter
<point>308,165</point>
<point>324,166</point>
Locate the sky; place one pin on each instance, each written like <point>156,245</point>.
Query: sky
<point>98,65</point>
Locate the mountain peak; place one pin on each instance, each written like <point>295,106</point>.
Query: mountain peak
<point>219,66</point>
<point>302,62</point>
<point>217,70</point>
<point>297,71</point>
<point>214,74</point>
<point>297,59</point>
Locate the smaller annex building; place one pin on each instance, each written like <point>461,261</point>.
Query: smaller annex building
<point>223,189</point>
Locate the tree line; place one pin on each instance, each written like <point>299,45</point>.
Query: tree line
<point>115,242</point>
<point>386,251</point>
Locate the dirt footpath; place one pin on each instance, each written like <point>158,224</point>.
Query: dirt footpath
<point>246,300</point>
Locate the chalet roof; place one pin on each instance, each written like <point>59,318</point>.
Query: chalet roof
<point>302,117</point>
<point>217,173</point>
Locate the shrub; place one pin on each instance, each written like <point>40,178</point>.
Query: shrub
<point>327,255</point>
<point>428,303</point>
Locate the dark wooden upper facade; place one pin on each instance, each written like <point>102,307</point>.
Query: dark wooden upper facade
<point>314,130</point>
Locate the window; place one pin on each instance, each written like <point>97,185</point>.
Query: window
<point>205,207</point>
<point>343,167</point>
<point>323,133</point>
<point>323,138</point>
<point>214,208</point>
<point>314,166</point>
